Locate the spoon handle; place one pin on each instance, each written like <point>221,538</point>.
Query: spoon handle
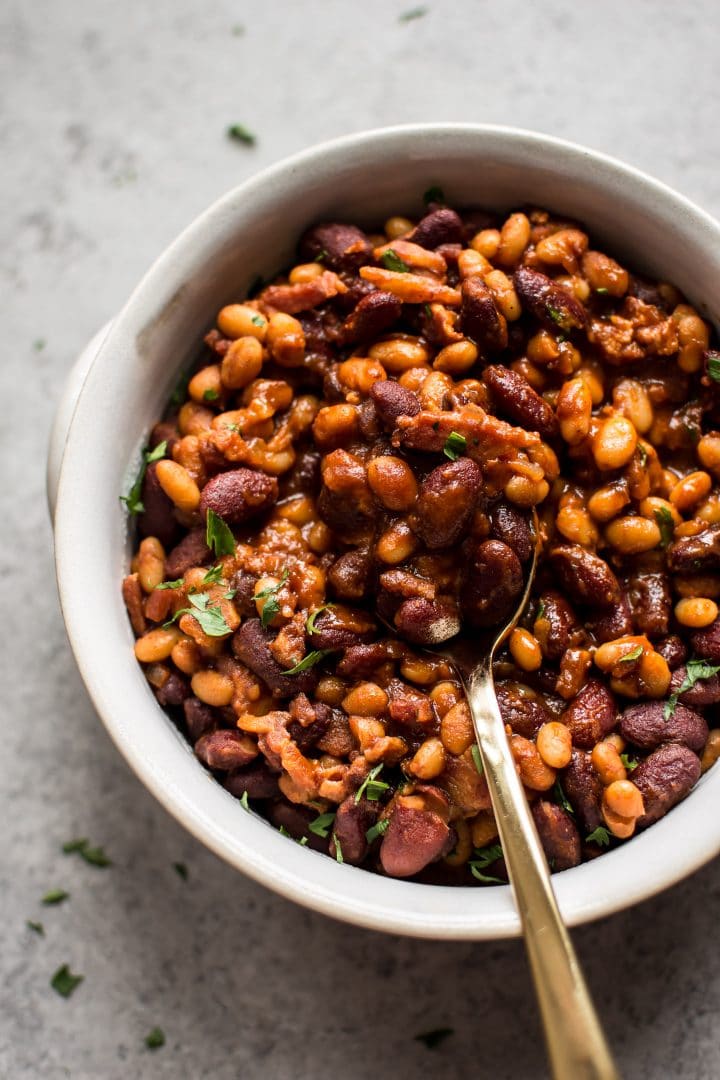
<point>576,1044</point>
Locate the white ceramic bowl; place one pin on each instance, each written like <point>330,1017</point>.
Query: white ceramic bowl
<point>253,230</point>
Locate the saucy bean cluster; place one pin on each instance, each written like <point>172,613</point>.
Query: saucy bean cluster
<point>359,448</point>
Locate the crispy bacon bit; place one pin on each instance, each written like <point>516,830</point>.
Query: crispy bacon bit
<point>639,331</point>
<point>302,297</point>
<point>411,288</point>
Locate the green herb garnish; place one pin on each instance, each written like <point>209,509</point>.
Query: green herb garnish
<point>180,392</point>
<point>244,801</point>
<point>555,315</point>
<point>428,310</point>
<point>271,607</point>
<point>561,798</point>
<point>213,575</point>
<point>64,982</point>
<point>540,610</point>
<point>378,829</point>
<point>696,671</point>
<point>599,836</point>
<point>155,1039</point>
<point>484,857</point>
<point>210,394</point>
<point>310,624</point>
<point>133,500</point>
<point>322,823</point>
<point>431,1039</point>
<point>713,365</point>
<point>666,525</point>
<point>39,344</point>
<point>36,927</point>
<point>455,446</point>
<point>392,261</point>
<point>371,787</point>
<point>642,454</point>
<point>95,856</point>
<point>238,30</point>
<point>630,763</point>
<point>181,870</point>
<point>338,850</point>
<point>321,256</point>
<point>308,662</point>
<point>218,535</point>
<point>240,133</point>
<point>477,758</point>
<point>413,13</point>
<point>176,584</point>
<point>210,616</point>
<point>634,654</point>
<point>602,291</point>
<point>55,896</point>
<point>434,194</point>
<point>257,320</point>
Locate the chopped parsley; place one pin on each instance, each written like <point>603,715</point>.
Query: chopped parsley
<point>258,320</point>
<point>392,261</point>
<point>338,850</point>
<point>561,798</point>
<point>665,524</point>
<point>36,927</point>
<point>310,624</point>
<point>713,364</point>
<point>210,394</point>
<point>95,856</point>
<point>378,829</point>
<point>484,857</point>
<point>634,654</point>
<point>477,758</point>
<point>371,787</point>
<point>434,194</point>
<point>322,824</point>
<point>271,607</point>
<point>630,763</point>
<point>321,256</point>
<point>213,575</point>
<point>39,345</point>
<point>218,535</point>
<point>599,836</point>
<point>239,133</point>
<point>155,1039</point>
<point>238,30</point>
<point>308,661</point>
<point>696,671</point>
<point>181,870</point>
<point>642,454</point>
<point>431,1039</point>
<point>540,610</point>
<point>455,446</point>
<point>180,392</point>
<point>412,13</point>
<point>64,982</point>
<point>602,291</point>
<point>244,801</point>
<point>55,896</point>
<point>210,616</point>
<point>428,310</point>
<point>133,500</point>
<point>177,584</point>
<point>556,315</point>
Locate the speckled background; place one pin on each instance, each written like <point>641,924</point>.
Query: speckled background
<point>112,132</point>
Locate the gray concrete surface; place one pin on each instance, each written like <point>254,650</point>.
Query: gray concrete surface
<point>112,134</point>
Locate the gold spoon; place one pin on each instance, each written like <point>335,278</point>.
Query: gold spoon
<point>576,1044</point>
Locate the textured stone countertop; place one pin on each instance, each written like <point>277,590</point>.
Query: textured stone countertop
<point>112,126</point>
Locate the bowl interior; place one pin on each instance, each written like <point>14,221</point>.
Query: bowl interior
<point>253,231</point>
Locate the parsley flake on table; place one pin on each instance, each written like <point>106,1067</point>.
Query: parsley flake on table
<point>155,1039</point>
<point>218,535</point>
<point>696,671</point>
<point>181,870</point>
<point>36,927</point>
<point>378,829</point>
<point>600,836</point>
<point>455,446</point>
<point>39,344</point>
<point>433,1038</point>
<point>239,133</point>
<point>322,824</point>
<point>55,896</point>
<point>64,982</point>
<point>371,787</point>
<point>271,607</point>
<point>665,524</point>
<point>308,661</point>
<point>133,500</point>
<point>411,14</point>
<point>392,261</point>
<point>95,856</point>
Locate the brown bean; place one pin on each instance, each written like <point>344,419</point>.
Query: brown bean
<point>511,526</point>
<point>584,790</point>
<point>673,651</point>
<point>251,645</point>
<point>371,317</point>
<point>446,502</point>
<point>349,576</point>
<point>555,624</point>
<point>361,661</point>
<point>339,626</point>
<point>191,551</point>
<point>427,622</point>
<point>552,305</point>
<point>591,715</point>
<point>558,833</point>
<point>515,397</point>
<point>645,726</point>
<point>158,518</point>
<point>480,319</point>
<point>441,226</point>
<point>664,778</point>
<point>225,750</point>
<point>492,585</point>
<point>610,623</point>
<point>695,554</point>
<point>415,838</point>
<point>174,691</point>
<point>650,601</point>
<point>199,718</point>
<point>706,642</point>
<point>704,692</point>
<point>340,246</point>
<point>522,709</point>
<point>585,576</point>
<point>393,400</point>
<point>254,780</point>
<point>239,494</point>
<point>352,821</point>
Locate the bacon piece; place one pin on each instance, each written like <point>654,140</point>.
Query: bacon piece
<point>414,255</point>
<point>306,295</point>
<point>488,439</point>
<point>411,288</point>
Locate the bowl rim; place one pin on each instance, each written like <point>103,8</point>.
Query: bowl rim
<point>286,869</point>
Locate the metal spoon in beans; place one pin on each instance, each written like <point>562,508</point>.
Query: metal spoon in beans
<point>576,1044</point>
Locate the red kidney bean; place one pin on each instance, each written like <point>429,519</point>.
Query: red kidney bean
<point>562,624</point>
<point>515,397</point>
<point>225,750</point>
<point>339,627</point>
<point>199,718</point>
<point>342,247</point>
<point>664,778</point>
<point>239,494</point>
<point>558,833</point>
<point>522,708</point>
<point>493,582</point>
<point>427,622</point>
<point>646,727</point>
<point>393,400</point>
<point>361,661</point>
<point>352,821</point>
<point>511,526</point>
<point>304,475</point>
<point>173,691</point>
<point>585,576</point>
<point>191,551</point>
<point>584,790</point>
<point>310,722</point>
<point>442,226</point>
<point>613,622</point>
<point>552,305</point>
<point>350,575</point>
<point>695,554</point>
<point>296,820</point>
<point>446,502</point>
<point>158,518</point>
<point>255,779</point>
<point>479,317</point>
<point>706,642</point>
<point>251,645</point>
<point>412,709</point>
<point>650,600</point>
<point>374,314</point>
<point>704,692</point>
<point>673,650</point>
<point>590,715</point>
<point>414,838</point>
